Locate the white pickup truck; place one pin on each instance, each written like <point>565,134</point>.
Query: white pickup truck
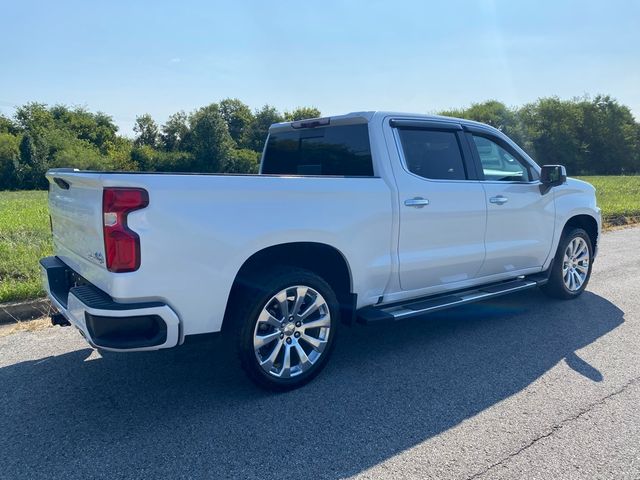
<point>369,216</point>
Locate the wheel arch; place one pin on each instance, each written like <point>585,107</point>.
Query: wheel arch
<point>586,222</point>
<point>324,260</point>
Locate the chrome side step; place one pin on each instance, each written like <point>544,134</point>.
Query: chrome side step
<point>416,307</point>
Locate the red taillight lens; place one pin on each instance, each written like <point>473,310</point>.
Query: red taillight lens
<point>121,245</point>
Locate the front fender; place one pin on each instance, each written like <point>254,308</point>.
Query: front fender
<point>572,199</point>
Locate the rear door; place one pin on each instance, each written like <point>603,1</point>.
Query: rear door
<point>442,211</point>
<point>520,220</point>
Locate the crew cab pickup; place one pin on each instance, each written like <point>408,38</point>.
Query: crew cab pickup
<point>369,216</point>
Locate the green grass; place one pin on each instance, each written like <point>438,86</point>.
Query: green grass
<point>24,238</point>
<point>618,197</point>
<point>25,235</point>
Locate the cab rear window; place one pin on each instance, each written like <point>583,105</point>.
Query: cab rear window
<point>340,150</point>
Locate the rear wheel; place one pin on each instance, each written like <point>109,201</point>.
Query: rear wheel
<point>288,323</point>
<point>571,266</point>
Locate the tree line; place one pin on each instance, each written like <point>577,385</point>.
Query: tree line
<point>588,135</point>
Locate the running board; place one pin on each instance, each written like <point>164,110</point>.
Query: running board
<point>420,306</point>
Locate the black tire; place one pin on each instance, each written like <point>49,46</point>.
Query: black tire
<point>556,286</point>
<point>256,293</point>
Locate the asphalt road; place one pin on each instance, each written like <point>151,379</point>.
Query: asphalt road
<point>520,387</point>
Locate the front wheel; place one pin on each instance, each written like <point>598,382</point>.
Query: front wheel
<point>571,269</point>
<point>288,323</point>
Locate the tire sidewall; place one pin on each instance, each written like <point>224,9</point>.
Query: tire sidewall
<point>270,285</point>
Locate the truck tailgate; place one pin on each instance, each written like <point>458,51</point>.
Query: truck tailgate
<point>75,206</point>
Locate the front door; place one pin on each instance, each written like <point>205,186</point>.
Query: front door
<point>520,220</point>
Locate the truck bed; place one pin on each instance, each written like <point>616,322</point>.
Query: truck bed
<point>198,230</point>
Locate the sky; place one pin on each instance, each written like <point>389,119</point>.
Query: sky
<point>127,58</point>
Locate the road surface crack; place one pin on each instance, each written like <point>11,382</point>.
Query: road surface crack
<point>555,428</point>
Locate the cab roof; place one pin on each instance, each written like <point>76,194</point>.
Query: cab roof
<point>366,117</point>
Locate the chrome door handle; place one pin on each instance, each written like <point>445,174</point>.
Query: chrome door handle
<point>499,200</point>
<point>417,202</point>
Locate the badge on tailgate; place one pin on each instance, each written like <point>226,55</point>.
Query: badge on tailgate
<point>97,257</point>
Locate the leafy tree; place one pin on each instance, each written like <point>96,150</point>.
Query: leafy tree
<point>302,113</point>
<point>106,130</point>
<point>493,113</point>
<point>150,160</point>
<point>142,157</point>
<point>609,135</point>
<point>209,139</point>
<point>9,155</point>
<point>175,131</point>
<point>242,161</point>
<point>33,162</point>
<point>238,118</point>
<point>173,162</point>
<point>589,135</point>
<point>7,126</point>
<point>96,128</point>
<point>146,131</point>
<point>552,128</point>
<point>34,117</point>
<point>118,155</point>
<point>78,154</point>
<point>37,123</point>
<point>263,119</point>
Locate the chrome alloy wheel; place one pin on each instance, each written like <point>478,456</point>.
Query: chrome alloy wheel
<point>575,265</point>
<point>292,331</point>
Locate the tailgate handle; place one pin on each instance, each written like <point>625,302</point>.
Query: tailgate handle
<point>63,184</point>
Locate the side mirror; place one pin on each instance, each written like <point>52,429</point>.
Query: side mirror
<point>552,176</point>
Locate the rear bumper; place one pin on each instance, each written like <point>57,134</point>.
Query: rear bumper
<point>103,322</point>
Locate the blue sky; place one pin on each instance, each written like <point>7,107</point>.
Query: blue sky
<point>128,58</point>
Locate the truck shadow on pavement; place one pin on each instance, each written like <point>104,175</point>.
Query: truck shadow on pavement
<point>190,412</point>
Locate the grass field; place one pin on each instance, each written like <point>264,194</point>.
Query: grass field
<point>618,197</point>
<point>24,239</point>
<point>25,236</point>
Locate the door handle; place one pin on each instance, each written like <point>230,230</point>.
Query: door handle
<point>417,202</point>
<point>499,200</point>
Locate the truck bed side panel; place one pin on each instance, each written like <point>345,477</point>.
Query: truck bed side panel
<point>198,230</point>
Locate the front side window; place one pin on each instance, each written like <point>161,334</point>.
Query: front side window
<point>498,164</point>
<point>341,150</point>
<point>432,154</point>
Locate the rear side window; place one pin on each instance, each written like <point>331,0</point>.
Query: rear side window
<point>433,154</point>
<point>341,150</point>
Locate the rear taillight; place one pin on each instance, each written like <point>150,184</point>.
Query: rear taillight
<point>121,245</point>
